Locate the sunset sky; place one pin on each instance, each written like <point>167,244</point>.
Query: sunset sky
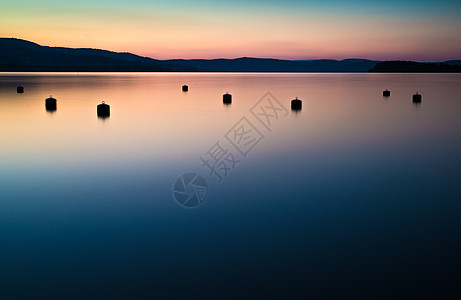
<point>292,29</point>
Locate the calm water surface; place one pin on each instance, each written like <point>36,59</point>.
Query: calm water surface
<point>354,196</point>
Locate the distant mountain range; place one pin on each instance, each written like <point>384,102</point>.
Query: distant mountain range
<point>453,66</point>
<point>18,55</point>
<point>21,55</point>
<point>248,64</point>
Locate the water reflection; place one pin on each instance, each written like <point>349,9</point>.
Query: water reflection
<point>317,193</point>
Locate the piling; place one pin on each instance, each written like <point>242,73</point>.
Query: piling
<point>417,98</point>
<point>296,104</point>
<point>227,98</point>
<point>103,110</point>
<point>50,104</point>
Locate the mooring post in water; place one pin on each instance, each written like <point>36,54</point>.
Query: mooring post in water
<point>50,104</point>
<point>227,98</point>
<point>417,98</point>
<point>296,104</point>
<point>103,110</point>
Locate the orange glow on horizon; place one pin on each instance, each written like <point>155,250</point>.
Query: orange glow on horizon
<point>292,36</point>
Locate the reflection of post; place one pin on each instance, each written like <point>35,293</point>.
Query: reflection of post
<point>50,104</point>
<point>103,110</point>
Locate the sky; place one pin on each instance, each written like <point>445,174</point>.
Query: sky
<point>291,29</point>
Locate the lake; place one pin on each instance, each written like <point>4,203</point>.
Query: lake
<point>354,196</point>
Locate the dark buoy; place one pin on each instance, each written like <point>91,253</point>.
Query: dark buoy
<point>227,98</point>
<point>296,104</point>
<point>103,110</point>
<point>417,98</point>
<point>20,89</point>
<point>386,93</point>
<point>50,104</point>
<point>185,88</point>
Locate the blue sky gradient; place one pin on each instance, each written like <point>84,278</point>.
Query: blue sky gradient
<point>419,30</point>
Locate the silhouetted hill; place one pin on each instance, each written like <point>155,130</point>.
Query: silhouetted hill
<point>248,64</point>
<point>21,55</point>
<point>415,67</point>
<point>453,62</point>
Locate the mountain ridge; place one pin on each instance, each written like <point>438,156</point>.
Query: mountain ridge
<point>251,64</point>
<point>26,56</point>
<point>22,55</point>
<point>400,66</point>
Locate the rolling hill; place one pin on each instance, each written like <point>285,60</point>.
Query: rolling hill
<point>21,55</point>
<point>18,55</point>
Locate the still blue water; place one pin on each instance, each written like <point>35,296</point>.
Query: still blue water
<point>355,195</point>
